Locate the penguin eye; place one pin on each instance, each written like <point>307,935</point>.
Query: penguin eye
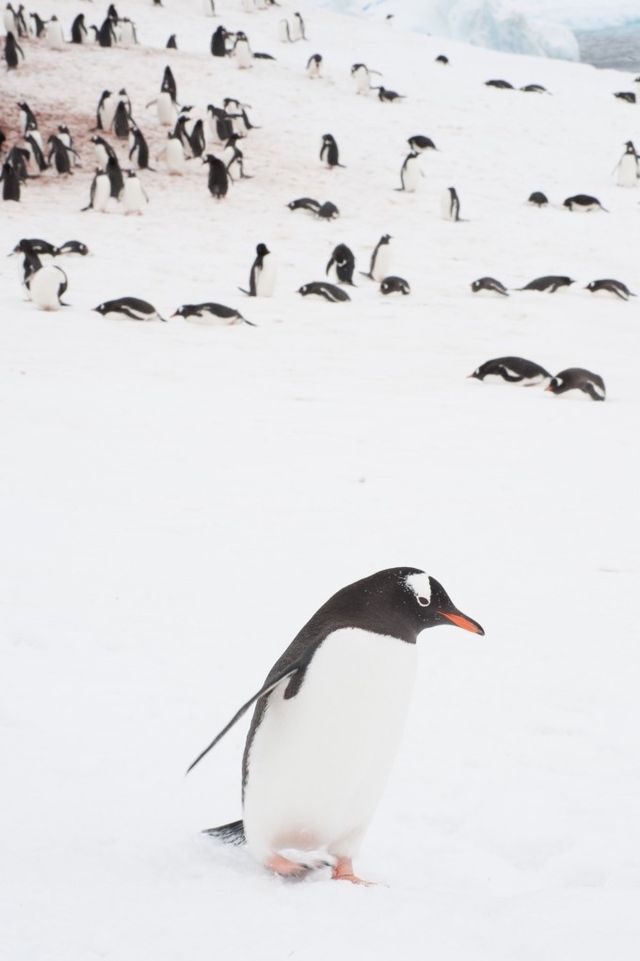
<point>423,601</point>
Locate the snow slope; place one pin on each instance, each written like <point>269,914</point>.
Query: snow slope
<point>178,500</point>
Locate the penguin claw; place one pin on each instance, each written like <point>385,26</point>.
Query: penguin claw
<point>343,871</point>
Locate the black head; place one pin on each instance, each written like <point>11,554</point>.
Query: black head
<point>262,250</point>
<point>302,290</point>
<point>180,312</point>
<point>328,138</point>
<point>385,238</point>
<point>101,309</point>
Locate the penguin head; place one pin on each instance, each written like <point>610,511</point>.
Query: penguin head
<point>328,138</point>
<point>592,286</point>
<point>179,312</point>
<point>262,250</point>
<point>100,309</point>
<point>302,290</point>
<point>385,238</point>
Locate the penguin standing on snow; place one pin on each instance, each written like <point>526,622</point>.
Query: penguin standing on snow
<point>343,264</point>
<point>219,42</point>
<point>362,77</point>
<point>322,740</point>
<point>628,169</point>
<point>314,66</point>
<point>241,51</point>
<point>105,110</point>
<point>53,34</point>
<point>60,155</point>
<point>121,121</point>
<point>380,260</point>
<point>134,198</point>
<point>329,151</point>
<point>218,178</point>
<point>297,27</point>
<point>410,173</point>
<point>138,148</point>
<point>114,173</point>
<point>27,118</point>
<point>511,370</point>
<point>79,32</point>
<point>46,287</point>
<point>262,278</point>
<point>450,204</point>
<point>10,183</point>
<point>100,192</point>
<point>11,50</point>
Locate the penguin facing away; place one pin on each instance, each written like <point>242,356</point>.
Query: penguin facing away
<point>262,277</point>
<point>343,264</point>
<point>328,720</point>
<point>11,50</point>
<point>218,177</point>
<point>512,370</point>
<point>10,183</point>
<point>577,378</point>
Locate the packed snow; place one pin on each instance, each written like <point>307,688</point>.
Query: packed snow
<point>179,499</point>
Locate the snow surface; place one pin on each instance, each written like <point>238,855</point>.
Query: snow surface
<point>178,500</point>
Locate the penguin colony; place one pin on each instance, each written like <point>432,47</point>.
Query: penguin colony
<point>406,600</point>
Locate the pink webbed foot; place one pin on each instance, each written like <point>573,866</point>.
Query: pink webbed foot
<point>286,868</point>
<point>343,871</point>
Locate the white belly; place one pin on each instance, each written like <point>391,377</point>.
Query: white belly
<point>166,109</point>
<point>242,54</point>
<point>133,198</point>
<point>102,194</point>
<point>319,761</point>
<point>127,35</point>
<point>175,156</point>
<point>382,266</point>
<point>44,287</point>
<point>53,35</point>
<point>628,171</point>
<point>266,279</point>
<point>411,176</point>
<point>361,78</point>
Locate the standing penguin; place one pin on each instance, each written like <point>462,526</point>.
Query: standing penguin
<point>314,66</point>
<point>59,154</point>
<point>10,20</point>
<point>172,43</point>
<point>262,278</point>
<point>121,120</point>
<point>328,720</point>
<point>37,154</point>
<point>173,153</point>
<point>27,118</point>
<point>100,192</point>
<point>103,151</point>
<point>218,177</point>
<point>11,50</point>
<point>241,51</point>
<point>46,287</point>
<point>329,151</point>
<point>165,107</point>
<point>628,169</point>
<point>297,27</point>
<point>39,24</point>
<point>362,77</point>
<point>134,198</point>
<point>380,259</point>
<point>53,34</point>
<point>138,148</point>
<point>450,204</point>
<point>219,42</point>
<point>284,32</point>
<point>10,183</point>
<point>410,173</point>
<point>79,32</point>
<point>105,110</point>
<point>128,35</point>
<point>343,263</point>
<point>114,173</point>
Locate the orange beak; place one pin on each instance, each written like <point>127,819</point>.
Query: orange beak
<point>464,622</point>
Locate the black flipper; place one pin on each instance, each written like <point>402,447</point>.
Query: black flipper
<point>232,833</point>
<point>266,689</point>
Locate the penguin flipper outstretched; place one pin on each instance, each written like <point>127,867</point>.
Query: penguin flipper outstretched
<point>265,689</point>
<point>232,833</point>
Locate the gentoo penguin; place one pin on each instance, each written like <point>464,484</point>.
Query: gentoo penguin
<point>380,259</point>
<point>362,77</point>
<point>614,287</point>
<point>284,32</point>
<point>322,289</point>
<point>577,378</point>
<point>410,173</point>
<point>134,198</point>
<point>343,264</point>
<point>241,51</point>
<point>297,27</point>
<point>262,278</point>
<point>450,204</point>
<point>46,287</point>
<point>10,20</point>
<point>100,192</point>
<point>103,151</point>
<point>39,24</point>
<point>172,43</point>
<point>27,118</point>
<point>628,168</point>
<point>105,110</point>
<point>53,34</point>
<point>626,95</point>
<point>489,285</point>
<point>219,42</point>
<point>534,88</point>
<point>218,180</point>
<point>11,50</point>
<point>36,153</point>
<point>512,370</point>
<point>105,34</point>
<point>548,284</point>
<point>114,173</point>
<point>121,121</point>
<point>499,84</point>
<point>211,315</point>
<point>138,148</point>
<point>17,159</point>
<point>128,35</point>
<point>34,245</point>
<point>395,285</point>
<point>442,59</point>
<point>173,153</point>
<point>314,66</point>
<point>72,247</point>
<point>59,154</point>
<point>197,141</point>
<point>325,211</point>
<point>583,203</point>
<point>169,84</point>
<point>165,108</point>
<point>79,32</point>
<point>328,720</point>
<point>131,307</point>
<point>388,96</point>
<point>10,183</point>
<point>538,199</point>
<point>65,136</point>
<point>329,151</point>
<point>419,144</point>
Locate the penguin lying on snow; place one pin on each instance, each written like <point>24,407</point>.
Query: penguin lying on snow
<point>550,284</point>
<point>325,290</point>
<point>343,263</point>
<point>513,370</point>
<point>499,84</point>
<point>489,285</point>
<point>534,88</point>
<point>321,742</point>
<point>614,287</point>
<point>325,211</point>
<point>583,203</point>
<point>395,285</point>
<point>72,247</point>
<point>388,96</point>
<point>33,245</point>
<point>577,378</point>
<point>538,199</point>
<point>212,314</point>
<point>131,307</point>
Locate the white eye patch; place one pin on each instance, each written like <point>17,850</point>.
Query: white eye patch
<point>420,584</point>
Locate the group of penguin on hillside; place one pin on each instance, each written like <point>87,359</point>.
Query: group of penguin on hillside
<point>192,132</point>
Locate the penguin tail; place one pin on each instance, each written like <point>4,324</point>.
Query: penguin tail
<point>364,274</point>
<point>251,323</point>
<point>82,209</point>
<point>232,833</point>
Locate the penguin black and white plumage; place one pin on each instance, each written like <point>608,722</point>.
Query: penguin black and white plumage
<point>577,378</point>
<point>100,192</point>
<point>325,290</point>
<point>46,287</point>
<point>626,95</point>
<point>169,84</point>
<point>538,199</point>
<point>380,259</point>
<point>499,84</point>
<point>241,51</point>
<point>362,77</point>
<point>134,198</point>
<point>11,50</point>
<point>10,183</point>
<point>419,143</point>
<point>628,167</point>
<point>79,32</point>
<point>549,284</point>
<point>10,20</point>
<point>613,287</point>
<point>218,181</point>
<point>512,370</point>
<point>128,35</point>
<point>17,159</point>
<point>410,173</point>
<point>297,27</point>
<point>262,278</point>
<point>59,156</point>
<point>36,153</point>
<point>105,34</point>
<point>219,42</point>
<point>197,140</point>
<point>395,285</point>
<point>314,66</point>
<point>39,24</point>
<point>121,121</point>
<point>138,148</point>
<point>342,263</point>
<point>389,96</point>
<point>489,285</point>
<point>131,308</point>
<point>27,118</point>
<point>114,173</point>
<point>442,59</point>
<point>325,211</point>
<point>284,31</point>
<point>34,245</point>
<point>211,315</point>
<point>72,247</point>
<point>173,153</point>
<point>105,110</point>
<point>329,151</point>
<point>64,135</point>
<point>534,88</point>
<point>321,742</point>
<point>583,203</point>
<point>103,151</point>
<point>172,43</point>
<point>53,34</point>
<point>450,204</point>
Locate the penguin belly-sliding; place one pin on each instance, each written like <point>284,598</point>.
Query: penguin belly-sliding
<point>303,790</point>
<point>628,171</point>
